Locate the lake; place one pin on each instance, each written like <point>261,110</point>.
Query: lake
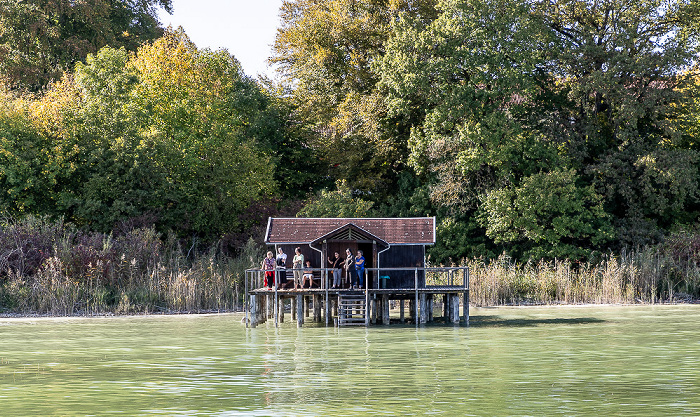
<point>581,360</point>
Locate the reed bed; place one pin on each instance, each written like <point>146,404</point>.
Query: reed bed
<point>644,276</point>
<point>54,269</point>
<point>51,268</point>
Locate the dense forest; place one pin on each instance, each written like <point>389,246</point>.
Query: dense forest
<point>535,132</point>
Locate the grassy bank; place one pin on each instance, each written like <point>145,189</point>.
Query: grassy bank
<point>48,267</point>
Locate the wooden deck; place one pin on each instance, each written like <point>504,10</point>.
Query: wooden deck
<point>365,306</point>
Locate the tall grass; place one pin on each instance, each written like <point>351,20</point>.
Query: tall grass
<point>648,275</point>
<point>48,267</point>
<point>51,268</point>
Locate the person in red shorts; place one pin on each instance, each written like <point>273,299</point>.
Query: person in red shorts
<point>268,265</point>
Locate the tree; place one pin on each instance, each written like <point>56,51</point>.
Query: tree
<point>39,40</point>
<point>23,158</point>
<point>338,203</point>
<point>572,99</point>
<point>327,51</point>
<point>549,215</point>
<point>625,68</point>
<point>170,132</point>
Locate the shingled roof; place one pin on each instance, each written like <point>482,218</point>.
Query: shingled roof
<point>395,231</point>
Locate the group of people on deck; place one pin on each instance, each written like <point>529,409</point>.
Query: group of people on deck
<point>354,270</point>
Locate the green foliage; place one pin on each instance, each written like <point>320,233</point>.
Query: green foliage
<point>39,40</point>
<point>552,122</point>
<point>173,133</point>
<point>338,203</point>
<point>326,51</point>
<point>549,211</point>
<point>23,161</point>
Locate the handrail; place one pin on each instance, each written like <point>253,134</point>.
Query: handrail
<point>326,273</point>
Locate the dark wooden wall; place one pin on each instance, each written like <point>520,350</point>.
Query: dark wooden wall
<point>404,256</point>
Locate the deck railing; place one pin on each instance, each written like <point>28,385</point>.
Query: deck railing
<point>423,277</point>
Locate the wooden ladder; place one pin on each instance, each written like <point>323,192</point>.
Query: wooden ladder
<point>352,310</point>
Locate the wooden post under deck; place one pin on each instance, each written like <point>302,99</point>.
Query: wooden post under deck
<point>385,309</point>
<point>280,306</point>
<point>300,310</point>
<point>317,308</point>
<point>455,308</point>
<point>465,307</point>
<point>253,317</point>
<point>430,307</point>
<point>373,307</point>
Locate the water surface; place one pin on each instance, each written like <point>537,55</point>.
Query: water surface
<point>593,360</point>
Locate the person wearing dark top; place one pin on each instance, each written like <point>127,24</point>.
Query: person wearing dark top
<point>337,265</point>
<point>281,262</point>
<point>350,273</point>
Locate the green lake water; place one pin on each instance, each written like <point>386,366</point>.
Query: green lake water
<point>592,360</point>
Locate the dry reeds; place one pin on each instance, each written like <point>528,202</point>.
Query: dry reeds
<point>633,277</point>
<point>47,267</point>
<point>51,268</point>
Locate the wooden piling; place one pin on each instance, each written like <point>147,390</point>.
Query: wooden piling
<point>253,316</point>
<point>373,309</point>
<point>465,307</point>
<point>455,308</point>
<point>385,309</point>
<point>317,308</point>
<point>280,314</point>
<point>445,307</point>
<point>423,309</point>
<point>401,312</point>
<point>300,310</point>
<point>430,307</point>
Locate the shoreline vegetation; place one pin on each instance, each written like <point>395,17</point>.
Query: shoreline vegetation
<point>52,268</point>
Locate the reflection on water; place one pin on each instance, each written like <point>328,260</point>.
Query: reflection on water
<point>516,361</point>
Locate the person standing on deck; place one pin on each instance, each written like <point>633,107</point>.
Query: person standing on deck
<point>360,267</point>
<point>297,263</point>
<point>337,265</point>
<point>350,273</point>
<point>281,261</point>
<point>268,265</point>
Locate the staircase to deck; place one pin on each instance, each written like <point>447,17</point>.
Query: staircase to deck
<point>352,310</point>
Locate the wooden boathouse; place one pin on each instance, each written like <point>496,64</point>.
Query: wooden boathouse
<point>395,274</point>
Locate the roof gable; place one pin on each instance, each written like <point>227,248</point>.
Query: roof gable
<point>349,232</point>
<point>394,231</point>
